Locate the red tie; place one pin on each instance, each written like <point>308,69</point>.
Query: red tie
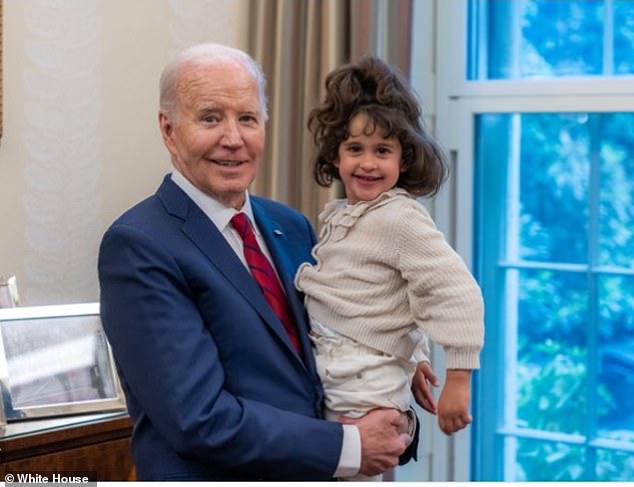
<point>265,276</point>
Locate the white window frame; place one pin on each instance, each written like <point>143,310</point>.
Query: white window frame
<point>457,101</point>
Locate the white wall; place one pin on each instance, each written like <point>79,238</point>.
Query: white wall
<point>81,140</point>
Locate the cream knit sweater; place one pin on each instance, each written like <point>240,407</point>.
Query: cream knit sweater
<point>383,270</point>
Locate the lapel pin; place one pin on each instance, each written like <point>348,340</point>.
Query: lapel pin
<point>277,232</point>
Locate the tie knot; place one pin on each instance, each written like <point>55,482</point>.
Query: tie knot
<point>241,223</point>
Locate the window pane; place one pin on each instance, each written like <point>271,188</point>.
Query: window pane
<point>623,37</point>
<point>616,222</point>
<point>553,187</point>
<point>560,37</point>
<point>616,379</point>
<point>551,389</point>
<point>550,180</point>
<point>551,38</point>
<point>538,460</point>
<point>558,188</point>
<point>614,465</point>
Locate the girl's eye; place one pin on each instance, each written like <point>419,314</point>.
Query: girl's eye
<point>354,148</point>
<point>384,150</point>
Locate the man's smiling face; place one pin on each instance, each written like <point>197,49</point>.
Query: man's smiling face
<point>216,135</point>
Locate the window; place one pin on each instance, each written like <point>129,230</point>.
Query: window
<point>562,286</point>
<point>550,38</point>
<point>536,104</point>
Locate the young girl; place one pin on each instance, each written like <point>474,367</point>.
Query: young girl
<point>383,272</point>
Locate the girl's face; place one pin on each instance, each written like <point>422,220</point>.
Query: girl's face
<point>368,164</point>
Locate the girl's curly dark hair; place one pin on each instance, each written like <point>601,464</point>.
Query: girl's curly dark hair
<point>373,88</point>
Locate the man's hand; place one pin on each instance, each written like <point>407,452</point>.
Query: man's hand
<point>453,405</point>
<point>381,442</point>
<point>424,379</point>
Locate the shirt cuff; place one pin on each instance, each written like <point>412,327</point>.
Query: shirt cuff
<point>350,459</point>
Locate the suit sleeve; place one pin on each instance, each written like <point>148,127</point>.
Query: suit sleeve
<point>171,368</point>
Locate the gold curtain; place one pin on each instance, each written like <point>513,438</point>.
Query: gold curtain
<point>297,43</point>
<point>382,28</point>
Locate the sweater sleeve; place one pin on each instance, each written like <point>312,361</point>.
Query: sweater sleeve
<point>444,298</point>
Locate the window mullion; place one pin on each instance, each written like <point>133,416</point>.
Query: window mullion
<point>592,325</point>
<point>608,37</point>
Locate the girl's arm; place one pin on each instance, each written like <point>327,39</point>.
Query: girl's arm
<point>453,405</point>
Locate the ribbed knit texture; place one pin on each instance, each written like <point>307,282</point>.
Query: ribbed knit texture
<point>382,270</point>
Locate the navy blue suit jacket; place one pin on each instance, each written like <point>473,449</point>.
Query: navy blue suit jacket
<point>212,382</point>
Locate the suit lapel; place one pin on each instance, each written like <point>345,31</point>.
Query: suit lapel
<point>277,244</point>
<point>204,234</point>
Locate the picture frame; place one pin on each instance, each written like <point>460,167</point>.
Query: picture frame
<point>9,297</point>
<point>56,361</point>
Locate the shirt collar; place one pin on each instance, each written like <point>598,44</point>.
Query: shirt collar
<point>219,214</point>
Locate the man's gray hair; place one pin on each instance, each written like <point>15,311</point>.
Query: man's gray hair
<point>207,54</point>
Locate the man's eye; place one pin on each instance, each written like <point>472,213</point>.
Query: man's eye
<point>210,119</point>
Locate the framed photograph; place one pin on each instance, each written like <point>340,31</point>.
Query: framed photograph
<point>56,361</point>
<point>9,293</point>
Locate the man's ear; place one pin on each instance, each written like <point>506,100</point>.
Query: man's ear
<point>167,130</point>
<point>165,125</point>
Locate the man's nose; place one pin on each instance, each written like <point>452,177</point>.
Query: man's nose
<point>231,136</point>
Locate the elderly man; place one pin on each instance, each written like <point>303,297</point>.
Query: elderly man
<point>197,300</point>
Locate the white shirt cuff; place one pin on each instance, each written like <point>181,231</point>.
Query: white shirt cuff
<point>350,459</point>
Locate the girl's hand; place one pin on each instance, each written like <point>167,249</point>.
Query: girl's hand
<point>453,405</point>
<point>424,379</point>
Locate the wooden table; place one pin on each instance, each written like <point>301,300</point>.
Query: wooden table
<point>96,443</point>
